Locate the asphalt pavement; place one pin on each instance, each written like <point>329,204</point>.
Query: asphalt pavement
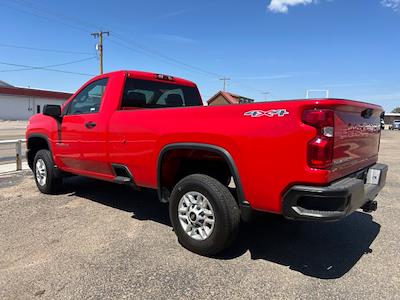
<point>98,240</point>
<point>11,130</point>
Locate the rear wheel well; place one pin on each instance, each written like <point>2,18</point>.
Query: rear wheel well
<point>176,164</point>
<point>34,145</point>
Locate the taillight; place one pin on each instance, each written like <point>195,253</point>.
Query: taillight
<point>320,149</point>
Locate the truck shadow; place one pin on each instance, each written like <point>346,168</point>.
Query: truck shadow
<point>144,204</point>
<point>320,250</point>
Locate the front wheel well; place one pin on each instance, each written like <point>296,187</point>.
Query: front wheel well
<point>176,163</point>
<point>34,144</point>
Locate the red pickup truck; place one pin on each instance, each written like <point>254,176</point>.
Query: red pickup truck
<point>305,159</point>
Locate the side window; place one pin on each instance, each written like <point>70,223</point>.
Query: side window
<point>88,101</point>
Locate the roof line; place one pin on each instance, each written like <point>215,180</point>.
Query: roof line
<point>225,95</point>
<point>34,93</point>
<point>230,97</point>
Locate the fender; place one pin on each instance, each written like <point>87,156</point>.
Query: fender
<point>212,148</point>
<point>37,135</point>
<point>44,137</point>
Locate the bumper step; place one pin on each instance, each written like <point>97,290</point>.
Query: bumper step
<point>333,202</point>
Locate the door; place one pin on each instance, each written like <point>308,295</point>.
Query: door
<point>82,147</point>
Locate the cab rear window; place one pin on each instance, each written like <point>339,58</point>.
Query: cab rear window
<point>155,94</point>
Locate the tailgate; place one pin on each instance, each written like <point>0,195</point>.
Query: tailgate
<point>356,137</point>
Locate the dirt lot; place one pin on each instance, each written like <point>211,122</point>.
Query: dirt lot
<point>99,240</point>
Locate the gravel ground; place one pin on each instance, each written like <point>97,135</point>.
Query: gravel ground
<point>99,240</point>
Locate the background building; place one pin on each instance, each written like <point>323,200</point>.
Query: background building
<point>390,117</point>
<point>224,98</point>
<point>21,103</point>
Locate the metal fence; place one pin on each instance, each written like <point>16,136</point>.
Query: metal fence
<point>18,150</point>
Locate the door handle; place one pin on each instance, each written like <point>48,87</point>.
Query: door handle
<point>90,125</point>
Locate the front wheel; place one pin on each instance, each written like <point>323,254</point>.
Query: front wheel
<point>204,214</point>
<point>44,171</point>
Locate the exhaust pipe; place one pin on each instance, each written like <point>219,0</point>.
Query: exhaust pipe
<point>370,206</point>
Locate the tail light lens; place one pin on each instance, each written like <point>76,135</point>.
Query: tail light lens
<point>320,149</point>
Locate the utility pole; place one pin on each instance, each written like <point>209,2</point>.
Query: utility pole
<point>225,79</point>
<point>265,95</point>
<point>99,35</point>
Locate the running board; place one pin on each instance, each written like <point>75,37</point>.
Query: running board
<point>122,179</point>
<point>123,175</point>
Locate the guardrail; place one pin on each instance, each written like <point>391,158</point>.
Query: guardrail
<point>18,150</point>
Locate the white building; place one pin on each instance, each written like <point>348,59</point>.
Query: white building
<point>389,118</point>
<point>21,103</point>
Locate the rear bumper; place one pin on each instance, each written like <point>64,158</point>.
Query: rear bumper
<point>335,201</point>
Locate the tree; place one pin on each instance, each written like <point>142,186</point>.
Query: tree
<point>396,110</point>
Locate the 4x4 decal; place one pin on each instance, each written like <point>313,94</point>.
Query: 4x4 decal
<point>269,113</point>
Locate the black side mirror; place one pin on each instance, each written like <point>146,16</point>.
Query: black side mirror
<point>52,110</point>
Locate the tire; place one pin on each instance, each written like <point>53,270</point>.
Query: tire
<point>204,236</point>
<point>45,173</point>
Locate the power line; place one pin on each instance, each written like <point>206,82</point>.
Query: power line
<point>145,53</point>
<point>40,8</point>
<point>50,66</point>
<point>121,37</point>
<point>140,51</point>
<point>46,68</point>
<point>159,54</point>
<point>43,49</point>
<point>134,46</point>
<point>152,53</point>
<point>129,44</point>
<point>43,17</point>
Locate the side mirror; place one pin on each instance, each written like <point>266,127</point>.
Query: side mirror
<point>52,110</point>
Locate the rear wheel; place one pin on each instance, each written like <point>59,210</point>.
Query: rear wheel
<point>44,171</point>
<point>204,214</point>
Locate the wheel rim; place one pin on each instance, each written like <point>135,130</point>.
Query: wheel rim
<point>41,173</point>
<point>196,215</point>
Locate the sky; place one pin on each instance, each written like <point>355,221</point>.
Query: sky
<point>279,47</point>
